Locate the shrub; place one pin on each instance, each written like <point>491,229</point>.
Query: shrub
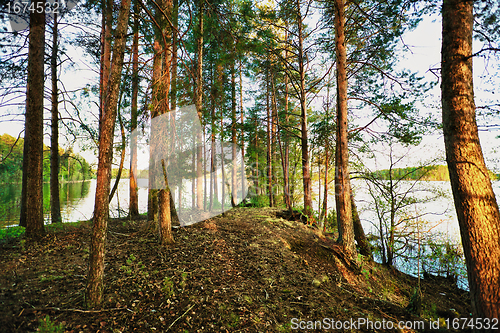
<point>259,201</point>
<point>47,326</point>
<point>10,233</point>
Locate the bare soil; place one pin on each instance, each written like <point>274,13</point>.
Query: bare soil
<point>250,270</point>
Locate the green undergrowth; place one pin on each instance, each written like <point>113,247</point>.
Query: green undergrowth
<point>11,233</point>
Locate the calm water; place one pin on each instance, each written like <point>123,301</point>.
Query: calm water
<point>77,201</point>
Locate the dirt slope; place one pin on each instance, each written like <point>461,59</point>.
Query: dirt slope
<point>248,271</point>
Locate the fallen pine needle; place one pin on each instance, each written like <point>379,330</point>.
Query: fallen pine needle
<point>192,306</point>
<point>83,311</point>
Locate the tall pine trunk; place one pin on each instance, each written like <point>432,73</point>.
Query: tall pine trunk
<point>165,200</point>
<point>477,209</point>
<point>134,197</point>
<point>33,138</point>
<point>268,138</point>
<point>306,172</point>
<point>233,134</point>
<point>55,205</point>
<point>107,22</point>
<point>286,157</point>
<point>243,178</point>
<point>342,181</point>
<point>200,200</point>
<point>155,111</point>
<point>95,285</point>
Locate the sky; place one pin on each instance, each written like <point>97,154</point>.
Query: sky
<point>424,45</point>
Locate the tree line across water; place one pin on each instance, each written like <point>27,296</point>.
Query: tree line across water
<point>72,166</point>
<point>429,173</point>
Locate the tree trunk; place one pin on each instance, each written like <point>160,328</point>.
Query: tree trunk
<point>324,210</point>
<point>165,200</point>
<point>223,174</point>
<point>122,159</point>
<point>107,22</point>
<point>213,180</point>
<point>173,92</point>
<point>243,178</point>
<point>234,190</point>
<point>55,205</point>
<point>164,215</point>
<point>198,102</point>
<point>274,122</point>
<point>133,190</point>
<point>95,284</point>
<point>477,209</point>
<point>306,177</point>
<point>155,111</point>
<point>268,138</point>
<point>33,138</point>
<point>342,181</point>
<point>286,158</point>
<point>359,233</point>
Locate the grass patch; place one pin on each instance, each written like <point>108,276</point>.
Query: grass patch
<point>11,233</point>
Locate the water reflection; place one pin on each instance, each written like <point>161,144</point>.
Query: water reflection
<point>71,194</point>
<point>77,201</point>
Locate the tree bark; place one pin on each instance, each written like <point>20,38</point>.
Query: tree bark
<point>133,189</point>
<point>359,233</point>
<point>164,214</point>
<point>234,190</point>
<point>306,176</point>
<point>477,209</point>
<point>342,182</point>
<point>324,210</point>
<point>268,138</point>
<point>286,139</point>
<point>274,122</point>
<point>155,111</point>
<point>33,139</point>
<point>107,23</point>
<point>198,102</point>
<point>95,284</point>
<point>165,199</point>
<point>242,112</point>
<point>122,158</point>
<point>55,205</point>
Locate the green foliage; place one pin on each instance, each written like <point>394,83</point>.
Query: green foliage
<point>47,326</point>
<point>167,287</point>
<point>415,304</point>
<point>7,234</point>
<point>11,158</point>
<point>72,166</point>
<point>331,221</point>
<point>444,258</point>
<point>259,201</point>
<point>134,266</point>
<point>124,175</point>
<point>431,172</point>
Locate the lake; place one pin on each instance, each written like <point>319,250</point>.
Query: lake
<point>77,201</point>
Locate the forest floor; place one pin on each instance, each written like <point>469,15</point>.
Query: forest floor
<point>250,270</point>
